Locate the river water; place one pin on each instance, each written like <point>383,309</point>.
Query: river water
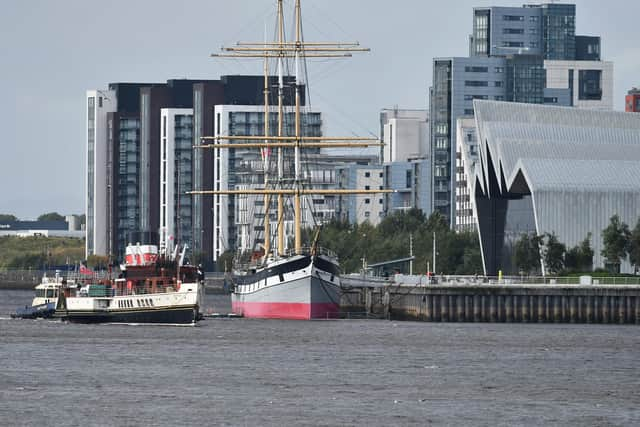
<point>333,372</point>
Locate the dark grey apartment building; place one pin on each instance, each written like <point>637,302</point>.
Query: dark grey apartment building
<point>123,156</point>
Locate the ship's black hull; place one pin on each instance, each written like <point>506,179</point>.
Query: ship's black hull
<point>181,315</point>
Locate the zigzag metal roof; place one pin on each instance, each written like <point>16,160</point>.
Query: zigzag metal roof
<point>559,147</point>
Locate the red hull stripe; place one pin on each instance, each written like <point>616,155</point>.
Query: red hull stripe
<point>282,310</point>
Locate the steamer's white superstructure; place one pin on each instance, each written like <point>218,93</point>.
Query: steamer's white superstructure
<point>151,289</point>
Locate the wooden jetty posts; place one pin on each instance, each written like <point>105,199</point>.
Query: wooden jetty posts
<point>619,304</point>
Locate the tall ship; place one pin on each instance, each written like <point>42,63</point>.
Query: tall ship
<point>287,280</point>
<point>150,288</point>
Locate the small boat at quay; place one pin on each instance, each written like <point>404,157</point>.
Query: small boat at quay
<point>149,289</point>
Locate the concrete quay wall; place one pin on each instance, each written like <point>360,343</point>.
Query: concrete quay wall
<point>491,303</point>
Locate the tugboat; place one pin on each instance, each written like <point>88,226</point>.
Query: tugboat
<point>149,289</point>
<point>45,299</point>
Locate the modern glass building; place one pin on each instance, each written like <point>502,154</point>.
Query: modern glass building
<point>527,54</point>
<point>555,170</point>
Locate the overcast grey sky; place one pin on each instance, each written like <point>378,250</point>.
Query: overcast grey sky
<point>52,51</point>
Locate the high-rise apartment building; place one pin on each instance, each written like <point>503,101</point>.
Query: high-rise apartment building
<point>176,169</point>
<point>527,54</point>
<point>632,101</point>
<point>239,218</point>
<point>123,146</point>
<point>99,104</point>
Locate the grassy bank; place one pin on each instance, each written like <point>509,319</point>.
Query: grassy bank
<point>38,252</point>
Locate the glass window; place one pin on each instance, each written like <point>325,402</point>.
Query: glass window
<point>476,83</point>
<point>513,18</point>
<point>512,44</point>
<point>513,31</point>
<point>499,69</point>
<point>590,85</point>
<point>497,84</point>
<point>442,128</point>
<point>476,69</point>
<point>442,143</point>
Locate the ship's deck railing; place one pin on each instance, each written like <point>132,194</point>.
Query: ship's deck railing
<point>305,250</point>
<point>120,292</point>
<point>308,250</point>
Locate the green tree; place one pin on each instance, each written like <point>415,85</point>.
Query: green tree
<point>553,254</point>
<point>585,254</point>
<point>634,247</point>
<point>7,218</point>
<point>615,239</point>
<point>458,253</point>
<point>51,216</point>
<point>580,257</point>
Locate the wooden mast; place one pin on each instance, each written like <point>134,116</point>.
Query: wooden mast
<point>280,217</point>
<point>265,159</point>
<point>280,50</point>
<point>297,182</point>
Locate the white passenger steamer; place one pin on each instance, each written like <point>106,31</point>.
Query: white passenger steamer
<point>150,289</point>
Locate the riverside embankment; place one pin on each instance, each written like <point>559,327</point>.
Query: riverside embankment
<point>469,301</point>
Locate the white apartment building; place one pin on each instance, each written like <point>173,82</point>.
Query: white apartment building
<point>99,103</point>
<point>405,134</point>
<point>238,219</point>
<point>176,155</point>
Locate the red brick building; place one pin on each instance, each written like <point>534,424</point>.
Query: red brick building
<point>632,101</point>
